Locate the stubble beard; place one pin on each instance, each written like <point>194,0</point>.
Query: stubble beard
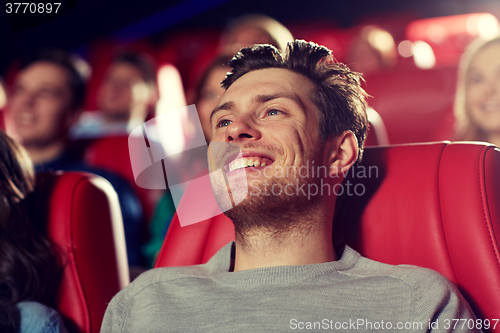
<point>265,211</point>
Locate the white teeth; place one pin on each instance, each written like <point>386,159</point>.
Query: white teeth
<point>244,162</point>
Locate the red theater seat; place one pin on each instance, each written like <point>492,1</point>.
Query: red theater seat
<point>434,205</point>
<point>415,104</point>
<point>83,220</point>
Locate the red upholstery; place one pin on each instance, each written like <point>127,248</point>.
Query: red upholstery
<point>83,220</point>
<point>434,205</point>
<point>414,103</point>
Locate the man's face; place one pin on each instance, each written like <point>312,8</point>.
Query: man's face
<point>40,104</point>
<point>122,91</point>
<point>269,115</point>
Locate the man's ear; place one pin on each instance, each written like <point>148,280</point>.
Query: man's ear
<point>341,152</point>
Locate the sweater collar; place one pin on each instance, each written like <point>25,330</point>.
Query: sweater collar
<point>219,266</point>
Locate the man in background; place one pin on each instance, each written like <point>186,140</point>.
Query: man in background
<point>124,98</point>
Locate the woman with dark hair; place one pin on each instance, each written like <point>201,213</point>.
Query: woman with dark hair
<point>28,263</point>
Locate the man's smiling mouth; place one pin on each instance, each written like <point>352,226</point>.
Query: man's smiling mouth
<point>246,162</point>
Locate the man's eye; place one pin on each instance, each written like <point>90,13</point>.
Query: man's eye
<point>223,123</point>
<point>273,112</point>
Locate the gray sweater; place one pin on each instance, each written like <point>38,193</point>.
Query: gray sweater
<point>353,294</point>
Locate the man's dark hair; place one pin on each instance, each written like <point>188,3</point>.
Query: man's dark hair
<point>141,61</point>
<point>78,71</point>
<point>339,95</point>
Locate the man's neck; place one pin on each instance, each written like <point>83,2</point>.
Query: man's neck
<point>299,246</point>
<point>46,153</point>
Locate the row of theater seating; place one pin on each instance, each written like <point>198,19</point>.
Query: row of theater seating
<point>435,205</point>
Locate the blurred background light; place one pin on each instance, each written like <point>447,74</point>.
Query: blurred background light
<point>423,55</point>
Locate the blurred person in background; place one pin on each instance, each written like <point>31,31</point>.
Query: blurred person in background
<point>372,50</point>
<point>46,97</point>
<point>250,29</point>
<point>125,98</point>
<point>207,97</point>
<point>209,91</point>
<point>3,101</point>
<point>29,269</point>
<point>477,101</point>
<point>3,97</point>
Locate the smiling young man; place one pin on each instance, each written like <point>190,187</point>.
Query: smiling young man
<point>296,119</point>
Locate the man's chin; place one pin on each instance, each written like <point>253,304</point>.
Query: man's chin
<point>268,206</point>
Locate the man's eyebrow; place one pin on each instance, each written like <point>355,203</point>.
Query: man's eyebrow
<point>270,97</point>
<point>259,99</point>
<point>226,106</point>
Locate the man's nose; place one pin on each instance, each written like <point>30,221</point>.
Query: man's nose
<point>26,99</point>
<point>242,129</point>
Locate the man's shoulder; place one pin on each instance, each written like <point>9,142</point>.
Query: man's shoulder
<point>166,279</point>
<point>166,275</point>
<point>419,279</point>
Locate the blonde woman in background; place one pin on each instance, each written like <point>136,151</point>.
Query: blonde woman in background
<point>477,102</point>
